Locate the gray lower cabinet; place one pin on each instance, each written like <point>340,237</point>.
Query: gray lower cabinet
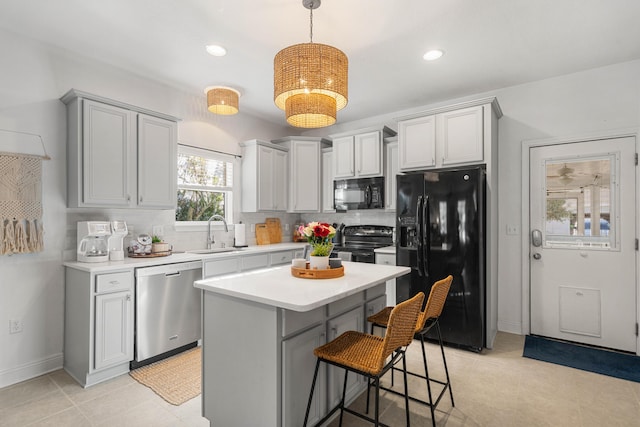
<point>350,321</point>
<point>297,375</point>
<point>245,262</point>
<point>298,361</point>
<point>99,324</point>
<point>114,318</point>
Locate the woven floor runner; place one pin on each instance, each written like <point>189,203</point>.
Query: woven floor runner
<point>176,379</point>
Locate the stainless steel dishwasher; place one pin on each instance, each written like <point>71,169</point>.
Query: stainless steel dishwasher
<point>168,310</point>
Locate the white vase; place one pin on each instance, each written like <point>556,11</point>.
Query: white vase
<point>318,262</point>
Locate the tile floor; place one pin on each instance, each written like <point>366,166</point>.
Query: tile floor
<point>496,388</point>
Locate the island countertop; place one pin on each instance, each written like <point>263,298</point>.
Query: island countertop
<point>277,287</point>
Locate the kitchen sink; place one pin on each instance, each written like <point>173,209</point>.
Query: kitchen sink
<point>212,250</point>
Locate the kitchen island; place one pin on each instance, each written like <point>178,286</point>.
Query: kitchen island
<point>259,332</point>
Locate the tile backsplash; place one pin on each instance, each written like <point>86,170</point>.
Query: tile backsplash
<point>184,238</point>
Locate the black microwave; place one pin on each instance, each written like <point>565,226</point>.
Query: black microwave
<point>358,193</point>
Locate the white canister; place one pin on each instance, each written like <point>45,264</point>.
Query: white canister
<point>299,263</point>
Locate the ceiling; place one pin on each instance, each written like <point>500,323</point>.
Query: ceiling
<point>488,44</point>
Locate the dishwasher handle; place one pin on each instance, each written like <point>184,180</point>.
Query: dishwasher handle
<point>168,270</point>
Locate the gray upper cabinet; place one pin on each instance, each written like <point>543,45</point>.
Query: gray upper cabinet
<point>359,154</point>
<point>157,157</point>
<point>118,155</point>
<point>451,136</point>
<point>264,176</point>
<point>305,170</point>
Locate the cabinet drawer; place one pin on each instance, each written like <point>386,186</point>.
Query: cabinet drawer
<point>293,321</point>
<point>386,259</point>
<point>114,282</point>
<point>283,257</point>
<point>344,304</point>
<point>255,261</point>
<point>376,291</point>
<point>220,267</point>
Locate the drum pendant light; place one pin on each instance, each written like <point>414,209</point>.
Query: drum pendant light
<point>222,100</point>
<point>310,80</point>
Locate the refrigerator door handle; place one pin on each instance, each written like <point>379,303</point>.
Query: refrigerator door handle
<point>419,232</point>
<point>426,244</point>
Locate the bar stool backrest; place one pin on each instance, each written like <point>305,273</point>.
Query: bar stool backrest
<point>401,325</point>
<point>435,303</point>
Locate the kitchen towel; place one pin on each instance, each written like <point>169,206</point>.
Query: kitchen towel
<point>20,204</point>
<point>240,236</point>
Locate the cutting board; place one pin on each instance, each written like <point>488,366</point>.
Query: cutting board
<point>262,234</point>
<point>275,230</point>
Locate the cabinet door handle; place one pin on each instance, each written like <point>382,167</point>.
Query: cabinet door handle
<point>114,282</point>
<point>334,330</point>
<point>140,199</point>
<point>128,297</point>
<point>128,197</point>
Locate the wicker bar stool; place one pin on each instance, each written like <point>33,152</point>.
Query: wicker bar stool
<point>367,355</point>
<point>427,320</point>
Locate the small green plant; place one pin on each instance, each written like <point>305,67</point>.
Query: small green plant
<point>156,239</point>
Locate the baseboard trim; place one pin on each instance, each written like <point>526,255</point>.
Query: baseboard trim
<point>31,370</point>
<point>511,327</point>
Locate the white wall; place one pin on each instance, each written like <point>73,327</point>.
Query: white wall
<point>32,79</point>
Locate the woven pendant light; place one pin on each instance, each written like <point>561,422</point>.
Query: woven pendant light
<point>310,73</point>
<point>222,100</point>
<point>310,110</point>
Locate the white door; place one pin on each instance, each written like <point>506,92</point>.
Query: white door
<point>582,242</point>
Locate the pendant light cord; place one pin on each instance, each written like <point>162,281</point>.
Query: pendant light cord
<point>311,25</point>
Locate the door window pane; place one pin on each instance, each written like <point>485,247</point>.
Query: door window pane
<point>579,208</point>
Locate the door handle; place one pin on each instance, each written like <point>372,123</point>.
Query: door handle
<point>536,238</point>
<point>537,256</point>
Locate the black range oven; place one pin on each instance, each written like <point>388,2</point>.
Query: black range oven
<point>362,240</point>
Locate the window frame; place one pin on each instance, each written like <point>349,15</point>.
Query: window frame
<point>232,192</point>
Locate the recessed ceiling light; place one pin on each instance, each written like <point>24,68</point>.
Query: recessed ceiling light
<point>216,50</point>
<point>433,55</point>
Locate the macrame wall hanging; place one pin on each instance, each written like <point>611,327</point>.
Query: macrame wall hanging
<point>21,228</point>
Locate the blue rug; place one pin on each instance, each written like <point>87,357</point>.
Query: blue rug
<point>619,365</point>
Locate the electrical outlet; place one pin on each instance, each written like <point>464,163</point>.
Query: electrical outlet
<point>158,230</point>
<point>253,228</point>
<point>15,326</point>
<point>512,230</point>
<point>286,227</point>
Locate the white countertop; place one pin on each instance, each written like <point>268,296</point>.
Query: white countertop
<point>130,263</point>
<point>386,250</point>
<point>277,287</point>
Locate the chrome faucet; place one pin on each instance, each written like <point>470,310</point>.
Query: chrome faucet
<point>210,240</point>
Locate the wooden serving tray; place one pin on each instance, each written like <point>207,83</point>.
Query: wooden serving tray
<point>307,273</point>
<point>151,255</point>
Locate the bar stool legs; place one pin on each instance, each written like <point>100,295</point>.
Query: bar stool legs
<point>371,356</point>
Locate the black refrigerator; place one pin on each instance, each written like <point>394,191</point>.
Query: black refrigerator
<point>440,228</point>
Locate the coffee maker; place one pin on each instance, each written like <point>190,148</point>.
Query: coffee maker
<point>93,241</point>
<point>118,232</point>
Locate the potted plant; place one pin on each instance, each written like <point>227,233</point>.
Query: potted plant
<point>319,235</point>
<point>157,245</point>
